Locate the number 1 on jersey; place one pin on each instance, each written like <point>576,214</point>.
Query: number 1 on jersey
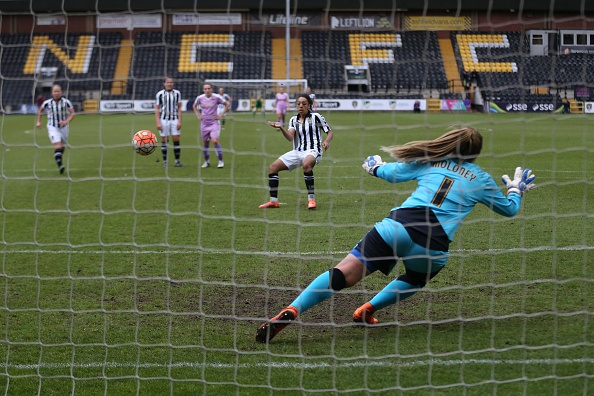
<point>443,190</point>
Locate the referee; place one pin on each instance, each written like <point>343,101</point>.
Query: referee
<point>168,114</point>
<point>59,112</point>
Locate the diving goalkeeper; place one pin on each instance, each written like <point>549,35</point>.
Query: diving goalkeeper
<point>419,232</point>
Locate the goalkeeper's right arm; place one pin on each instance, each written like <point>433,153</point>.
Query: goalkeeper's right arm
<point>371,164</point>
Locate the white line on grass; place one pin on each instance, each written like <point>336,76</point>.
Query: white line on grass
<point>289,365</point>
<point>576,248</point>
<point>336,164</point>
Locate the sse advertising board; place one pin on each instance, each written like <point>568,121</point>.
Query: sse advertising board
<point>502,107</point>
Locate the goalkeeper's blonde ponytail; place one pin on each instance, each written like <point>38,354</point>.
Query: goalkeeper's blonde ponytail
<point>463,144</point>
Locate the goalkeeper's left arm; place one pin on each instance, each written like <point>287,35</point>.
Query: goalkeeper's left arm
<point>509,204</point>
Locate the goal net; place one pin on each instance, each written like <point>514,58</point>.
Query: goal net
<point>124,276</point>
<point>246,92</point>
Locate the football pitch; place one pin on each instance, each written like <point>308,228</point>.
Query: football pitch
<point>122,277</point>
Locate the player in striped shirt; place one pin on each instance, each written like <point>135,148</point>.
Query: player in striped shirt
<point>168,114</point>
<point>59,112</point>
<point>221,107</point>
<point>305,131</point>
<point>314,104</point>
<point>419,232</point>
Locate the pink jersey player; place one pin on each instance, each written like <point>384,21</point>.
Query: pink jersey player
<point>205,107</point>
<point>281,104</point>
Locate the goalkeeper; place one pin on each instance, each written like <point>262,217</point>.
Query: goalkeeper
<point>420,230</point>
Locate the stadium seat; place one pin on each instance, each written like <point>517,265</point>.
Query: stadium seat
<point>248,52</point>
<point>417,59</point>
<point>18,82</point>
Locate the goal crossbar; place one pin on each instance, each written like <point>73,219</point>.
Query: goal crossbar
<point>292,85</point>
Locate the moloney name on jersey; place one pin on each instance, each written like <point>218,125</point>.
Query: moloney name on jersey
<point>453,167</point>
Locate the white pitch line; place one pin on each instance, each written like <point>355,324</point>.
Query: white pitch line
<point>241,252</point>
<point>310,366</point>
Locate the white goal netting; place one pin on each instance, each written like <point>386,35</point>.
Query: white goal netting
<point>245,93</point>
<point>122,276</point>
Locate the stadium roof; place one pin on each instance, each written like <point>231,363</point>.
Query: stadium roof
<point>58,6</point>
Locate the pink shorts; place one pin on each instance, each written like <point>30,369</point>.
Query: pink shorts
<point>210,131</point>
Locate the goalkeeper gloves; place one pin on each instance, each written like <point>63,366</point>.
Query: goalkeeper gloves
<point>523,181</point>
<point>371,163</point>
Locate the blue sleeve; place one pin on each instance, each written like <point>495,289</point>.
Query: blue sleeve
<point>398,172</point>
<point>495,200</point>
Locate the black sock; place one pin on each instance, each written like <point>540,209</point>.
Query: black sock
<point>176,150</point>
<point>309,181</point>
<point>273,184</point>
<point>164,151</point>
<point>58,156</point>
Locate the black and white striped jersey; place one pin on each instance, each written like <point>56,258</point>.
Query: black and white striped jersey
<point>168,101</point>
<point>308,134</point>
<point>226,98</point>
<point>56,111</point>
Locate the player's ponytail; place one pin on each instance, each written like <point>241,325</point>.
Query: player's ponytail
<point>463,144</point>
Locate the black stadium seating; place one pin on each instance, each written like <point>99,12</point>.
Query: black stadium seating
<point>417,62</point>
<point>19,87</point>
<point>416,66</point>
<point>556,73</point>
<point>157,55</point>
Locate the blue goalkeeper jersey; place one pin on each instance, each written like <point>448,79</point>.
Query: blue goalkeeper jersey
<point>450,189</point>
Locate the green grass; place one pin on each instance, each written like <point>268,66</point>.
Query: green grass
<point>121,277</point>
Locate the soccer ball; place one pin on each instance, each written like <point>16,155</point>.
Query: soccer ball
<point>144,142</point>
